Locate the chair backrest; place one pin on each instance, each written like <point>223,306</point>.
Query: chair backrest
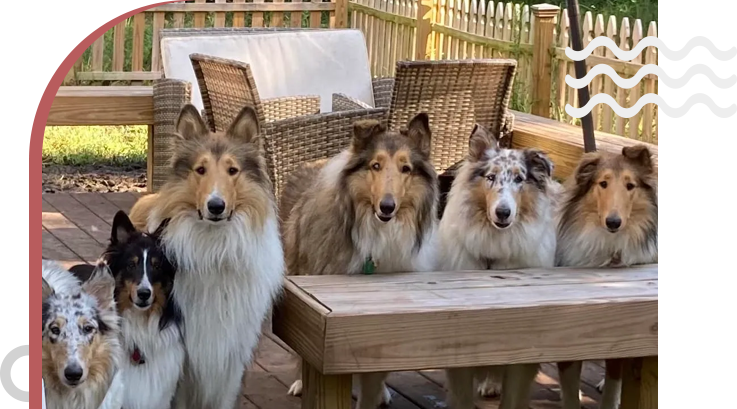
<point>284,62</point>
<point>226,86</point>
<point>456,94</point>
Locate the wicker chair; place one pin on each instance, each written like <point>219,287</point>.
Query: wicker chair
<point>293,129</point>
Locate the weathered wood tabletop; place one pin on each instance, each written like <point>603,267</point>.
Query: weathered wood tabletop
<point>343,325</point>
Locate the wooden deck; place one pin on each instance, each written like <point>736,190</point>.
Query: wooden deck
<point>76,227</point>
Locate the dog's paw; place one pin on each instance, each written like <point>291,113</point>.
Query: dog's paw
<point>386,397</point>
<point>490,389</point>
<point>600,386</point>
<point>296,388</point>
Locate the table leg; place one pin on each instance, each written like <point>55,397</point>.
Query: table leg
<point>325,391</point>
<point>640,383</point>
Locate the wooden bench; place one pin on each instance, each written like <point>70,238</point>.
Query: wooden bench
<point>343,325</point>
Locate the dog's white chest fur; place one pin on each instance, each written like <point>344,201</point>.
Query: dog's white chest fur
<point>596,247</point>
<point>227,279</point>
<point>391,247</point>
<point>151,385</point>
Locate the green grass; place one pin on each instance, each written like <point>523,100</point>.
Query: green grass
<point>95,145</point>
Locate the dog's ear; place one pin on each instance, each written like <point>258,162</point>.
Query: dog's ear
<point>480,142</point>
<point>418,131</point>
<point>539,166</point>
<point>190,125</point>
<point>245,127</point>
<point>363,131</point>
<point>160,230</point>
<point>122,228</point>
<point>101,286</point>
<point>640,156</point>
<point>586,169</point>
<point>46,290</point>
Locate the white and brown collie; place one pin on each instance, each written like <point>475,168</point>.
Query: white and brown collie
<point>372,208</point>
<point>609,218</point>
<point>500,215</point>
<point>80,345</point>
<point>223,237</point>
<point>150,317</point>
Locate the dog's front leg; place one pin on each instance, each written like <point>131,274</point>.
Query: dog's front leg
<point>612,384</point>
<point>372,391</point>
<point>460,388</point>
<point>516,386</point>
<point>296,388</point>
<point>570,382</point>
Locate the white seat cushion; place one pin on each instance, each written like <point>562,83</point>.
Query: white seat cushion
<point>320,62</point>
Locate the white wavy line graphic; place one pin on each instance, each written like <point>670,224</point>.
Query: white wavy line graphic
<point>674,55</point>
<point>670,111</point>
<point>628,83</point>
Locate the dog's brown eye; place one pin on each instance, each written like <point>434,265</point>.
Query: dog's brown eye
<point>88,329</point>
<point>131,265</point>
<point>376,166</point>
<point>55,330</point>
<point>630,186</point>
<point>406,169</point>
<point>232,171</point>
<point>603,184</point>
<point>200,170</point>
<point>518,179</point>
<point>491,178</point>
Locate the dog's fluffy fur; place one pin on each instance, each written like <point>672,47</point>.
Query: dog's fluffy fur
<point>150,325</point>
<point>376,202</point>
<point>499,215</point>
<point>224,238</point>
<point>80,336</point>
<point>609,217</point>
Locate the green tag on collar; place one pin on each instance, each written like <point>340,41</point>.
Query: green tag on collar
<point>368,266</point>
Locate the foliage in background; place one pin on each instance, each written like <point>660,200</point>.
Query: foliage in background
<point>98,145</point>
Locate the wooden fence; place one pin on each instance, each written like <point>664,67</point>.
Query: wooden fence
<point>457,29</point>
<point>536,36</point>
<point>130,51</point>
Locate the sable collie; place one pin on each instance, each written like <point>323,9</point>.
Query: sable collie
<point>151,319</point>
<point>372,208</point>
<point>80,345</point>
<point>609,217</point>
<point>499,215</point>
<point>223,237</point>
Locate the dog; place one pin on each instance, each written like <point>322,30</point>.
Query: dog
<point>223,236</point>
<point>151,318</point>
<point>609,218</point>
<point>80,347</point>
<point>500,214</point>
<point>370,209</point>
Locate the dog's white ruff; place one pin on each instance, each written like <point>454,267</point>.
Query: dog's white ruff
<point>151,385</point>
<point>229,274</point>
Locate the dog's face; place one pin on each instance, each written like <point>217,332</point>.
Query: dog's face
<point>615,185</point>
<point>222,172</point>
<point>390,171</point>
<point>143,274</point>
<point>74,327</point>
<point>505,182</point>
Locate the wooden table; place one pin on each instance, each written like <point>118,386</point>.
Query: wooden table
<point>342,325</point>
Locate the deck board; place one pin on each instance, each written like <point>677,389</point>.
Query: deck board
<point>68,236</point>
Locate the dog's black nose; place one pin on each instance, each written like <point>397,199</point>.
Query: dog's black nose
<point>216,206</point>
<point>387,206</point>
<point>613,223</point>
<point>144,294</point>
<point>502,213</point>
<point>73,373</point>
